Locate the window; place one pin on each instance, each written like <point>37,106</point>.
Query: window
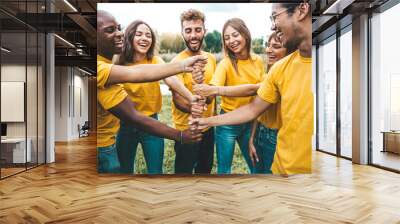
<point>327,95</point>
<point>385,89</point>
<point>346,93</point>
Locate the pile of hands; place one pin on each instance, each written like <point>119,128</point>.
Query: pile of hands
<point>198,104</point>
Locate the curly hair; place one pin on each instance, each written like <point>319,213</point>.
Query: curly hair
<point>192,14</point>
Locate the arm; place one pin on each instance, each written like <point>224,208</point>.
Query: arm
<point>239,116</point>
<point>180,102</point>
<point>232,91</point>
<point>252,150</point>
<point>177,86</point>
<point>149,73</point>
<point>239,90</point>
<point>125,111</point>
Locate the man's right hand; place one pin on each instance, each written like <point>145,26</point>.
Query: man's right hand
<point>189,136</point>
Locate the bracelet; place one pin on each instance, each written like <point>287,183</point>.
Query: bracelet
<point>181,138</point>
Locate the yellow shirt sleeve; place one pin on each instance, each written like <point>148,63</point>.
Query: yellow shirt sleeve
<point>103,72</point>
<point>111,96</point>
<point>268,90</point>
<point>219,77</point>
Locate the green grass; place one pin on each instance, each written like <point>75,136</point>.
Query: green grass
<point>239,166</point>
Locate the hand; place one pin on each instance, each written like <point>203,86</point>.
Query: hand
<point>189,136</point>
<point>197,109</point>
<point>198,75</point>
<point>205,90</point>
<point>198,124</point>
<point>198,61</point>
<point>253,152</point>
<point>195,99</point>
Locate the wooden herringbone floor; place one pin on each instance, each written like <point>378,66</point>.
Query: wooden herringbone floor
<point>70,191</point>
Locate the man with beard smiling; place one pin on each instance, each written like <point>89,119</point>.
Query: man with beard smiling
<point>112,101</point>
<point>198,156</point>
<point>288,82</point>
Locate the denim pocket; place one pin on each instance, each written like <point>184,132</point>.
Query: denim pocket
<point>107,160</point>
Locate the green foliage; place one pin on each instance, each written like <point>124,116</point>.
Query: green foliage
<point>171,43</point>
<point>257,45</point>
<point>239,166</point>
<point>213,42</point>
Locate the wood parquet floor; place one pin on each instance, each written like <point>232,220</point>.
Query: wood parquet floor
<point>71,191</point>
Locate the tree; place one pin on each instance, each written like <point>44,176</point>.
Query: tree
<point>171,43</point>
<point>213,42</point>
<point>258,45</point>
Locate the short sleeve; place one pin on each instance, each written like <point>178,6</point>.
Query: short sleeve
<point>260,64</point>
<point>219,77</point>
<point>159,60</point>
<point>268,90</point>
<point>111,96</point>
<point>103,72</point>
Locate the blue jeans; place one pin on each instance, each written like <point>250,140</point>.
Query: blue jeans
<point>265,143</point>
<point>226,136</point>
<point>197,157</point>
<point>107,159</point>
<point>128,139</point>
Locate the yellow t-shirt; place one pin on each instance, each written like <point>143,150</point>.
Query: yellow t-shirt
<point>103,71</point>
<point>271,118</point>
<point>181,119</point>
<point>251,71</point>
<point>146,96</point>
<point>107,98</point>
<point>289,82</point>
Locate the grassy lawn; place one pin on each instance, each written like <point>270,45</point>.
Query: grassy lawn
<point>238,167</point>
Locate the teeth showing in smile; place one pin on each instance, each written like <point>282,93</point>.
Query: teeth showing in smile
<point>143,44</point>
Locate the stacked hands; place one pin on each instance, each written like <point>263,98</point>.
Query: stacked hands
<point>196,66</point>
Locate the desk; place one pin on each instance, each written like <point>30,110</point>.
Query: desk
<point>391,141</point>
<point>13,150</point>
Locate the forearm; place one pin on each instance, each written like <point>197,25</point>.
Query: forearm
<point>125,111</point>
<point>239,90</point>
<point>181,103</point>
<point>143,72</point>
<point>241,115</point>
<point>176,85</point>
<point>253,129</point>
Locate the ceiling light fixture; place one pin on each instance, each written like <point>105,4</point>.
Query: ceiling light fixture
<point>84,71</point>
<point>70,5</point>
<point>65,41</point>
<point>5,50</point>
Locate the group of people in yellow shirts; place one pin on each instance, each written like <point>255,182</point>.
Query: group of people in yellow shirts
<point>268,112</point>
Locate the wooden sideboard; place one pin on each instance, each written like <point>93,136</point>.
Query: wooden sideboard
<point>391,141</point>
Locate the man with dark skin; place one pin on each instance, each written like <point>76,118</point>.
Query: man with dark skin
<point>113,103</point>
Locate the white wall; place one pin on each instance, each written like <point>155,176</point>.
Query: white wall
<point>71,94</point>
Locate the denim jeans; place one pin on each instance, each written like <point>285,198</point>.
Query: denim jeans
<point>107,159</point>
<point>226,136</point>
<point>128,139</point>
<point>196,156</point>
<point>265,143</point>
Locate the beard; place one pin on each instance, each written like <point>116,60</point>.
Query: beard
<point>197,49</point>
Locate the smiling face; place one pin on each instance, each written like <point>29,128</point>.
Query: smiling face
<point>234,41</point>
<point>109,34</point>
<point>142,40</point>
<point>285,25</point>
<point>275,51</point>
<point>193,33</point>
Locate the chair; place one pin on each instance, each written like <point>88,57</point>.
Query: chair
<point>84,130</point>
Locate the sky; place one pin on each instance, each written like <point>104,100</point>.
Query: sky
<point>164,17</point>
